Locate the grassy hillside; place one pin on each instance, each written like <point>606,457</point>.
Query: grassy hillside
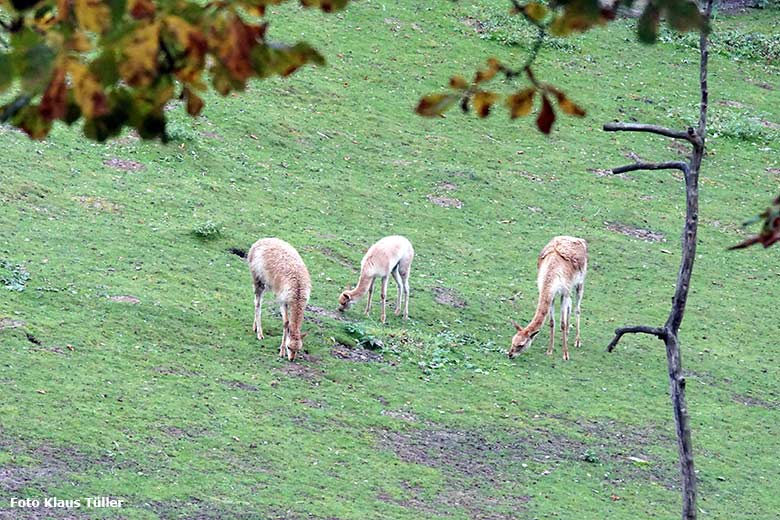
<point>128,367</point>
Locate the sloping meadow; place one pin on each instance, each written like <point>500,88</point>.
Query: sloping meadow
<point>127,360</point>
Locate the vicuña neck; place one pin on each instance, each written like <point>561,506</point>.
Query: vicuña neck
<point>362,287</point>
<point>542,310</point>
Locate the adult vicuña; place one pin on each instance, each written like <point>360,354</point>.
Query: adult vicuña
<point>562,266</point>
<point>391,255</point>
<point>277,267</point>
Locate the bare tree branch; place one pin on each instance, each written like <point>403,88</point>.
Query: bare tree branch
<point>659,332</point>
<point>688,135</point>
<point>671,165</point>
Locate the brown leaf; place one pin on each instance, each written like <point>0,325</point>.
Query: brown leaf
<point>192,47</point>
<point>535,11</point>
<point>458,82</point>
<point>434,105</point>
<point>140,49</point>
<point>92,15</point>
<point>521,103</point>
<point>483,100</point>
<point>568,106</point>
<point>546,117</point>
<point>235,42</point>
<point>140,9</point>
<point>54,100</point>
<point>194,102</point>
<point>87,91</point>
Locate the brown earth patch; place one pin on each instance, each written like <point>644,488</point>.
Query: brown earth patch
<point>8,323</point>
<point>773,171</point>
<point>445,202</point>
<point>196,509</point>
<point>303,371</point>
<point>769,124</point>
<point>748,400</point>
<point>125,298</point>
<point>680,148</point>
<point>98,203</point>
<point>340,259</point>
<point>400,414</point>
<point>357,355</point>
<point>731,103</point>
<point>184,433</point>
<point>447,186</point>
<point>173,371</point>
<point>239,385</point>
<point>319,311</point>
<point>125,165</point>
<point>447,296</point>
<point>635,232</point>
<point>311,403</point>
<point>475,24</point>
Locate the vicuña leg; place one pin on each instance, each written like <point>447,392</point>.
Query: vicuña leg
<point>400,283</point>
<point>565,313</point>
<point>370,294</point>
<point>384,296</point>
<point>403,269</point>
<point>580,289</point>
<point>257,326</point>
<point>285,326</point>
<point>552,328</point>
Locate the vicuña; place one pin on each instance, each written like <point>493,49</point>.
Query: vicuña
<point>391,255</point>
<point>562,266</point>
<point>277,267</point>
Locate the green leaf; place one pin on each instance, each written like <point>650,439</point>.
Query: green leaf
<point>647,26</point>
<point>6,71</point>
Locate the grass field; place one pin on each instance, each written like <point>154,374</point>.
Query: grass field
<point>128,367</point>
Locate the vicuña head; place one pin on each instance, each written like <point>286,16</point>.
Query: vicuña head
<point>294,345</point>
<point>521,340</point>
<point>345,300</point>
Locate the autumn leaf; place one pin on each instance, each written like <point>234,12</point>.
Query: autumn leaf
<point>521,103</point>
<point>32,122</point>
<point>536,11</point>
<point>190,48</point>
<point>546,117</point>
<point>483,100</point>
<point>87,90</point>
<point>141,48</point>
<point>434,105</point>
<point>54,100</point>
<point>770,229</point>
<point>234,42</point>
<point>194,102</point>
<point>567,105</point>
<point>458,82</point>
<point>140,9</point>
<point>326,5</point>
<point>92,15</point>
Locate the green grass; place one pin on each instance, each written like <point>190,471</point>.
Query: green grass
<point>173,405</point>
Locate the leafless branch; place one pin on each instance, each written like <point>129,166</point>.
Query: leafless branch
<point>671,165</point>
<point>659,332</point>
<point>688,135</point>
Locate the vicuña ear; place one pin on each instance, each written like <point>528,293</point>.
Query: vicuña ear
<point>534,334</point>
<point>304,335</point>
<point>517,326</point>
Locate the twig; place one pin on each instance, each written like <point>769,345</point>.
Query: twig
<point>689,135</point>
<point>671,165</point>
<point>659,332</point>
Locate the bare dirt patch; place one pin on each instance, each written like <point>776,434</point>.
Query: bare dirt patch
<point>8,323</point>
<point>357,355</point>
<point>400,414</point>
<point>773,171</point>
<point>731,103</point>
<point>98,203</point>
<point>337,257</point>
<point>447,296</point>
<point>319,311</point>
<point>445,202</point>
<point>173,371</point>
<point>679,148</point>
<point>125,165</point>
<point>748,400</point>
<point>184,433</point>
<point>125,298</point>
<point>303,371</point>
<point>239,385</point>
<point>447,186</point>
<point>475,24</point>
<point>635,232</point>
<point>196,509</point>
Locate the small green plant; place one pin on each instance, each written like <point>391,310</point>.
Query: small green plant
<point>362,338</point>
<point>207,230</point>
<point>13,276</point>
